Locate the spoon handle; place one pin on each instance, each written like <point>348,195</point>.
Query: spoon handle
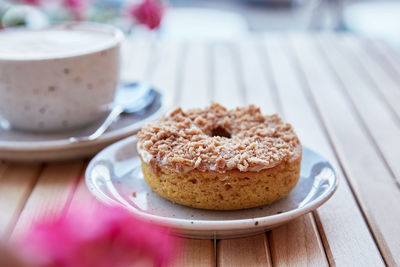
<point>115,112</point>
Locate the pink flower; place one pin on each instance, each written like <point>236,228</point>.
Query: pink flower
<point>110,237</point>
<point>149,13</point>
<point>77,7</point>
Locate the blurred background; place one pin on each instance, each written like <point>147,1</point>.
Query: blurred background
<point>218,19</point>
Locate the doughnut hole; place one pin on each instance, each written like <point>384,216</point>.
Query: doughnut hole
<point>220,131</point>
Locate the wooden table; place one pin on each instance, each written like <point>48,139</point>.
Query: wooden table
<point>341,94</point>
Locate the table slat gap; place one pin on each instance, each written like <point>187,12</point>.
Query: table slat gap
<point>195,252</point>
<point>262,85</point>
<point>260,90</point>
<point>388,54</point>
<point>194,88</point>
<point>77,183</point>
<point>82,197</point>
<point>16,184</point>
<point>377,56</point>
<point>179,74</point>
<point>385,87</point>
<point>239,70</point>
<point>249,251</point>
<point>226,76</point>
<point>381,130</point>
<point>167,72</point>
<point>49,196</point>
<point>374,196</point>
<point>298,109</point>
<point>297,243</point>
<point>324,239</point>
<point>240,251</point>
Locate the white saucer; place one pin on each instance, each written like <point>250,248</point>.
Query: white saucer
<point>114,177</point>
<point>26,146</point>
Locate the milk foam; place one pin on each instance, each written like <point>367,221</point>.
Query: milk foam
<point>49,43</point>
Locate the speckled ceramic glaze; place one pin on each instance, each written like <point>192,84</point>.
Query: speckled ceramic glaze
<point>64,89</point>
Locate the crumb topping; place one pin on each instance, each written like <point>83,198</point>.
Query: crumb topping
<point>218,139</point>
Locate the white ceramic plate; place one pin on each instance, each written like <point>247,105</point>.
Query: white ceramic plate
<point>25,146</point>
<point>114,177</point>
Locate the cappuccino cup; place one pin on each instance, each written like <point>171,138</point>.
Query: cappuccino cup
<point>57,78</point>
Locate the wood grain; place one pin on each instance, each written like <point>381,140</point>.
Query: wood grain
<point>368,64</point>
<point>259,89</point>
<point>227,87</point>
<point>387,54</point>
<point>322,89</point>
<point>195,253</point>
<point>167,70</point>
<point>195,85</point>
<point>249,251</point>
<point>364,93</point>
<point>370,179</point>
<point>51,195</point>
<point>229,92</point>
<point>281,79</point>
<point>193,92</point>
<point>16,183</point>
<point>303,250</point>
<point>83,198</point>
<point>340,221</point>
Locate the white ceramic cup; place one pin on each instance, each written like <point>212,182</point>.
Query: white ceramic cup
<point>61,77</point>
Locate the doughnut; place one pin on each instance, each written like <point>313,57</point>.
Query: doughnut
<point>220,159</point>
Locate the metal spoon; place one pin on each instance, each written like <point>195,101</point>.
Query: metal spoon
<point>130,98</point>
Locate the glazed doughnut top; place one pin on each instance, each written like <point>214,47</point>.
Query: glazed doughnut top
<point>217,139</point>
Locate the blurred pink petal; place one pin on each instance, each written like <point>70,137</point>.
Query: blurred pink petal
<point>111,237</point>
<point>149,13</point>
<point>77,7</point>
<point>32,2</point>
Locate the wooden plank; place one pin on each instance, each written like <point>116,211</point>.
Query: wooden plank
<point>352,67</point>
<point>388,54</point>
<point>195,86</point>
<point>82,197</point>
<point>227,87</point>
<point>303,119</point>
<point>51,195</point>
<point>380,73</point>
<point>249,251</point>
<point>371,181</point>
<point>193,79</point>
<point>165,75</point>
<point>259,90</point>
<point>195,253</point>
<point>303,250</point>
<point>16,183</point>
<point>342,244</point>
<point>229,84</point>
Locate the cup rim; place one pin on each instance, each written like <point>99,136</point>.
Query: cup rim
<point>118,37</point>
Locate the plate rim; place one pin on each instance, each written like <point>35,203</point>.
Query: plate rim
<point>212,225</point>
<point>61,144</point>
